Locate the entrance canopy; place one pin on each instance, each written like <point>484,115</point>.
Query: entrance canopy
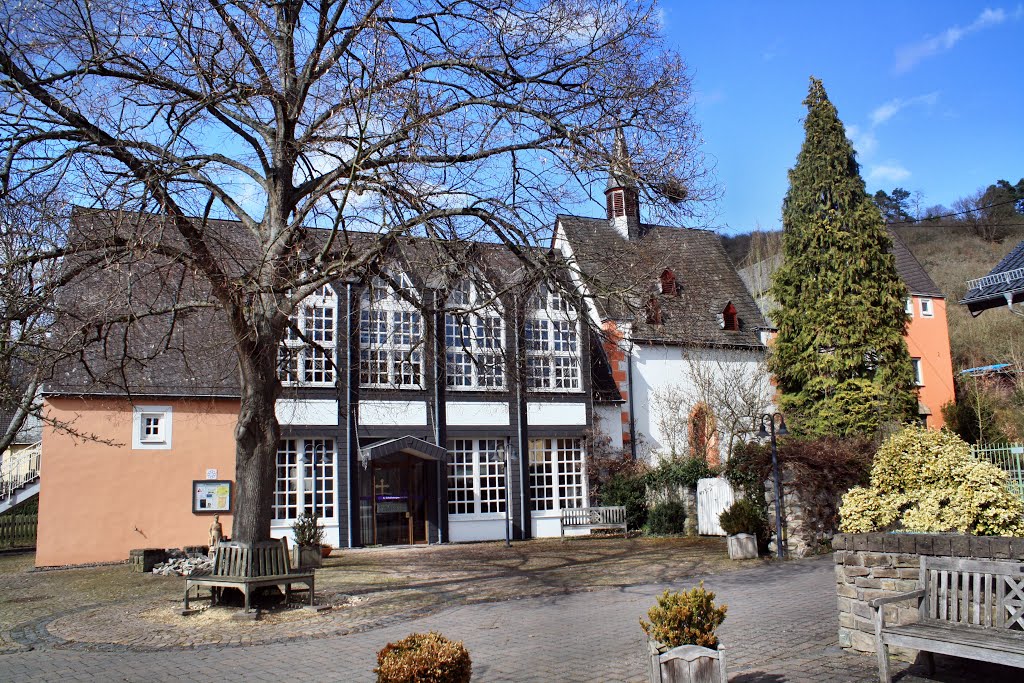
<point>404,444</point>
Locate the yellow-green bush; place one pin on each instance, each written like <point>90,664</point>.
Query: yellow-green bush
<point>424,658</point>
<point>686,618</point>
<point>927,481</point>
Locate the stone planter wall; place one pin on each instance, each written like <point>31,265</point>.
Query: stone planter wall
<point>870,566</point>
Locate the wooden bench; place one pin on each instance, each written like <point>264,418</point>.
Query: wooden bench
<point>966,608</point>
<point>594,518</point>
<point>246,566</point>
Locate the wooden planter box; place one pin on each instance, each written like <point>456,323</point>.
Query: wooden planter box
<point>307,557</point>
<point>742,547</point>
<point>687,664</point>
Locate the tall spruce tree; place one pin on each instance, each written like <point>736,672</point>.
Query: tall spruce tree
<point>840,358</point>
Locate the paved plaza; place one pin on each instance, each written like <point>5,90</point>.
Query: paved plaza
<point>781,626</point>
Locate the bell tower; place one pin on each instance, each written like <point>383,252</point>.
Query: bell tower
<point>621,194</point>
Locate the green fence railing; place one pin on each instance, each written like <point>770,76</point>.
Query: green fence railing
<point>1007,456</point>
<point>18,531</point>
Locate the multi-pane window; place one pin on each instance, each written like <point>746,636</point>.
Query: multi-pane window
<point>309,357</point>
<point>474,338</point>
<point>295,484</point>
<point>918,373</point>
<point>926,308</point>
<point>557,475</point>
<point>151,427</point>
<point>552,343</point>
<point>476,476</point>
<point>390,335</point>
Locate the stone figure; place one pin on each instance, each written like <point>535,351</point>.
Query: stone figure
<point>216,532</point>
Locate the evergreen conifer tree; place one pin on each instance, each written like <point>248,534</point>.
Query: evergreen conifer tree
<point>840,358</point>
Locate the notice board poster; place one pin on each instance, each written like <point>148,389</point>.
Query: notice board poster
<point>211,495</point>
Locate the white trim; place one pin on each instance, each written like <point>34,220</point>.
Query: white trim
<point>319,412</point>
<point>930,313</point>
<point>162,442</point>
<point>471,414</point>
<point>555,414</point>
<point>392,413</point>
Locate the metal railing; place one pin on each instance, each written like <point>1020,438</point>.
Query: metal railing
<point>997,279</point>
<point>19,468</point>
<point>1007,456</point>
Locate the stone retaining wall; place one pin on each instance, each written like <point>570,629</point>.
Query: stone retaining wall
<point>870,566</point>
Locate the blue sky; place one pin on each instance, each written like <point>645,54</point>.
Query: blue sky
<point>932,93</point>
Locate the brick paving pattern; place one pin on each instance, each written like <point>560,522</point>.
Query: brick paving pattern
<point>781,626</point>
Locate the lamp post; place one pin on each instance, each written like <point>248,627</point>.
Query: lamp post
<point>769,419</point>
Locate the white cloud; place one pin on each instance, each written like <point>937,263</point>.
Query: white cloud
<point>886,111</point>
<point>887,172</point>
<point>909,56</point>
<point>864,141</point>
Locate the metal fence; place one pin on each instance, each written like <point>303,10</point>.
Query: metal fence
<point>18,531</point>
<point>1009,457</point>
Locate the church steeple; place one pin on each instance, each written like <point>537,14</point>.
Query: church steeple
<point>621,194</point>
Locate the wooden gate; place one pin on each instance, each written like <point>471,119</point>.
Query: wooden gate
<point>714,495</point>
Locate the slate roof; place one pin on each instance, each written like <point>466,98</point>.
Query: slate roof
<point>1006,279</point>
<point>758,277</point>
<point>623,275</point>
<point>192,352</point>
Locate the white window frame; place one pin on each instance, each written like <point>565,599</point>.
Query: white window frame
<point>295,493</point>
<point>395,343</point>
<point>474,340</point>
<point>918,371</point>
<point>298,360</point>
<point>908,306</point>
<point>552,335</point>
<point>556,477</point>
<point>927,308</point>
<point>142,442</point>
<point>485,475</point>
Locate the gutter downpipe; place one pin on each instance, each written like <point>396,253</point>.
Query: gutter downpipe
<point>348,405</point>
<point>629,390</point>
<point>440,413</point>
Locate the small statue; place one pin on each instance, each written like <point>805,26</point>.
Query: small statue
<point>216,532</point>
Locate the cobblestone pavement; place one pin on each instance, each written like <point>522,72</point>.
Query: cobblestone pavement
<point>781,626</point>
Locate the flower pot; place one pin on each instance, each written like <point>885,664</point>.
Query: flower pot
<point>307,557</point>
<point>686,664</point>
<point>742,547</point>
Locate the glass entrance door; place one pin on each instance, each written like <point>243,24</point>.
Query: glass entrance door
<point>399,503</point>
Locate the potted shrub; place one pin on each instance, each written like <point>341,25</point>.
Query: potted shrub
<point>424,658</point>
<point>681,637</point>
<point>309,538</point>
<point>744,523</point>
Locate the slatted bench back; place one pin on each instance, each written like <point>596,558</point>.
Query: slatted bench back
<point>593,515</point>
<point>975,593</point>
<point>251,560</point>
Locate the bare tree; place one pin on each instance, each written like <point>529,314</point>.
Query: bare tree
<point>714,405</point>
<point>443,119</point>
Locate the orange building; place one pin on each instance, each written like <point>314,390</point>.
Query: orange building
<point>927,331</point>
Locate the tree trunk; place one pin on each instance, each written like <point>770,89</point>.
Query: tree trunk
<point>256,439</point>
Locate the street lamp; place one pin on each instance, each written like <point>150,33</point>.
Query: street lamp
<point>769,419</point>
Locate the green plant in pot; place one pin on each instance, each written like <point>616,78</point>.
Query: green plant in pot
<point>681,637</point>
<point>309,537</point>
<point>744,522</point>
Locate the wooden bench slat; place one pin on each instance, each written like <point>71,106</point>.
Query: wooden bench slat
<point>247,566</point>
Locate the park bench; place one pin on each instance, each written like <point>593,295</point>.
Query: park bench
<point>594,518</point>
<point>250,565</point>
<point>966,608</point>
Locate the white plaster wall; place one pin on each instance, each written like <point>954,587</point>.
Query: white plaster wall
<point>468,414</point>
<point>657,367</point>
<point>332,532</point>
<point>555,414</point>
<point>392,413</point>
<point>307,412</point>
<point>463,530</point>
<point>608,421</point>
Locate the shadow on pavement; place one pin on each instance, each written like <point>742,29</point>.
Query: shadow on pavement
<point>757,677</point>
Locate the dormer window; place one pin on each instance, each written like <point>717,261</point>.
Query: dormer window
<point>668,283</point>
<point>729,319</point>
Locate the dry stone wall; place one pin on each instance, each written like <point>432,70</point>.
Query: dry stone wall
<point>870,566</point>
